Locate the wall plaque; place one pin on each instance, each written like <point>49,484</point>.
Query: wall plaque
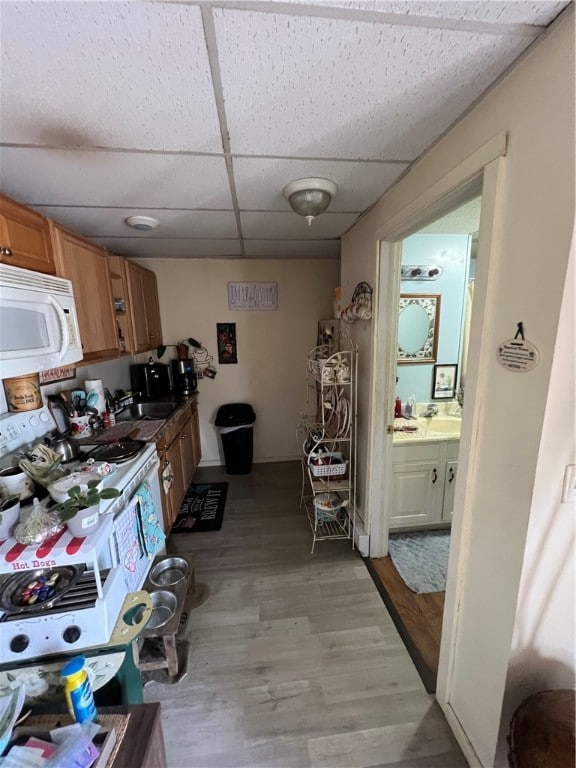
<point>518,355</point>
<point>261,297</point>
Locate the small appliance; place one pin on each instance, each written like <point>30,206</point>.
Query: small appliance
<point>152,380</point>
<point>184,377</point>
<point>38,322</point>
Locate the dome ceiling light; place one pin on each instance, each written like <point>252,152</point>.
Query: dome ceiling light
<point>310,197</point>
<point>144,223</point>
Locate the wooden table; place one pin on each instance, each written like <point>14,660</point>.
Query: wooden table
<point>143,741</point>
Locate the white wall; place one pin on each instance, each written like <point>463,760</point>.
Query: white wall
<point>534,105</point>
<point>544,640</point>
<point>272,346</point>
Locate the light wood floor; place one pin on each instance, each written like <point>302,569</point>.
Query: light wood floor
<point>418,618</point>
<point>294,661</point>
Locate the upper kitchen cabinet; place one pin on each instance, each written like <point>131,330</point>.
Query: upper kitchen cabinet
<point>86,266</point>
<point>143,307</point>
<point>25,238</point>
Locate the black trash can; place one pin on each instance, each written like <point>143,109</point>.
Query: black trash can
<point>235,421</point>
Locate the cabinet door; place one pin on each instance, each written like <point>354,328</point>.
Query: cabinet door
<point>173,455</point>
<point>25,238</point>
<point>417,493</point>
<point>195,424</point>
<point>87,267</point>
<point>152,305</point>
<point>449,486</point>
<point>187,453</point>
<point>144,307</point>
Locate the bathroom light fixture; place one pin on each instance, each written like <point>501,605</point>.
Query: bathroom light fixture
<point>310,197</point>
<point>143,223</point>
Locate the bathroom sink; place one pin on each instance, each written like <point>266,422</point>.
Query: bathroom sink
<point>150,410</point>
<point>441,425</point>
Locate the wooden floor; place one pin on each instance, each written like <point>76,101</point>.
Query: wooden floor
<point>418,618</point>
<point>294,661</point>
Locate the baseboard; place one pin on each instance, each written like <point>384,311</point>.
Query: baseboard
<point>460,736</point>
<point>427,677</point>
<point>361,539</point>
<point>261,460</point>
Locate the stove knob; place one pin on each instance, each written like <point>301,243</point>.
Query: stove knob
<point>19,643</point>
<point>72,634</point>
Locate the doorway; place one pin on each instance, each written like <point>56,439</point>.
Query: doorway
<point>435,285</point>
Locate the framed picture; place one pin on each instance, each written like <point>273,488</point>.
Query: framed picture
<point>226,343</point>
<point>444,382</point>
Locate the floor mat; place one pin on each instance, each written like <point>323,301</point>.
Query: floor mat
<point>202,508</point>
<point>421,559</point>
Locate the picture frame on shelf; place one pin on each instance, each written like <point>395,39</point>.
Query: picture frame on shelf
<point>444,381</point>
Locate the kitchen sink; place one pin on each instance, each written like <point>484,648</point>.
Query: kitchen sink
<point>150,410</point>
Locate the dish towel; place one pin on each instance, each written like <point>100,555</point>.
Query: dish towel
<point>150,533</point>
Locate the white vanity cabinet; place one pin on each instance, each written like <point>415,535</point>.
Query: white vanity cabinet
<point>424,478</point>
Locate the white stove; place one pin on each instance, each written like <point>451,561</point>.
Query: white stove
<point>113,560</point>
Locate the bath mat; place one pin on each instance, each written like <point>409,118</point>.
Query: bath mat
<point>421,559</point>
<point>202,508</point>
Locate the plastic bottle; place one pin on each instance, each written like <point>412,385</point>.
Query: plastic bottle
<point>398,408</point>
<point>78,691</point>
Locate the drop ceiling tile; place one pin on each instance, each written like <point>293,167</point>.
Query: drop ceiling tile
<point>126,179</point>
<point>115,74</point>
<point>260,181</point>
<point>169,248</point>
<point>331,88</point>
<point>292,249</point>
<point>109,222</point>
<point>265,225</point>
<point>512,12</point>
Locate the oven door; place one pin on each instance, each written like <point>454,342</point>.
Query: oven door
<point>138,534</point>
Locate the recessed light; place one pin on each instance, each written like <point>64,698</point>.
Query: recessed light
<point>141,222</point>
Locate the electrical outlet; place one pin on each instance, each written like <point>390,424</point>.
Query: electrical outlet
<point>569,485</point>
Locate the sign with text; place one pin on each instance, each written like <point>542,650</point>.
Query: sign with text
<point>259,297</point>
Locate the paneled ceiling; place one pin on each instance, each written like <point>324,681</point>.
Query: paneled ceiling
<point>199,113</point>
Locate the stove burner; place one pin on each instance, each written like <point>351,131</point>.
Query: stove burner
<point>119,452</point>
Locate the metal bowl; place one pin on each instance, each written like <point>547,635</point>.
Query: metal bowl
<point>164,605</point>
<point>169,571</point>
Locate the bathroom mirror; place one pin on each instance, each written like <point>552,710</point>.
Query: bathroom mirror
<point>418,327</point>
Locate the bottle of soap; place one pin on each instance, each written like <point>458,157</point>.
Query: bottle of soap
<point>398,408</point>
<point>410,406</point>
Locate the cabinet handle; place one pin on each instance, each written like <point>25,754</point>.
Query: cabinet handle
<point>434,475</point>
<point>5,251</point>
<point>451,474</point>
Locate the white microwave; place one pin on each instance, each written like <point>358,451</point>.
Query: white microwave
<point>38,322</point>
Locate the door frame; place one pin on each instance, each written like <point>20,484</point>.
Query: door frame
<point>483,171</point>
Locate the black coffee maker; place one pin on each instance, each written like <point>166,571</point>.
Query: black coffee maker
<point>152,380</point>
<point>184,377</point>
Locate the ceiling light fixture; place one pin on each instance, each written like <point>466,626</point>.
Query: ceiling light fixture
<point>143,223</point>
<point>310,197</point>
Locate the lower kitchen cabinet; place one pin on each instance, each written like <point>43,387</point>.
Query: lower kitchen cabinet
<point>424,478</point>
<point>178,445</point>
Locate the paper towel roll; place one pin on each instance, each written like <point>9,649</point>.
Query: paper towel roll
<point>96,385</point>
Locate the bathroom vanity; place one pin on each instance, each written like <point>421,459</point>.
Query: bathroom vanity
<point>425,463</point>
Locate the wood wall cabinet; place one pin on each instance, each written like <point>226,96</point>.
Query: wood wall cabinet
<point>144,307</point>
<point>25,237</point>
<point>424,478</point>
<point>86,266</point>
<point>179,445</point>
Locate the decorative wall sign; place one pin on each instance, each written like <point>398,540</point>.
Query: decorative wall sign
<point>226,343</point>
<point>517,354</point>
<point>259,297</point>
<point>57,374</point>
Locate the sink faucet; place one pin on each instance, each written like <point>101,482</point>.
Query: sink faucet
<point>430,410</point>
